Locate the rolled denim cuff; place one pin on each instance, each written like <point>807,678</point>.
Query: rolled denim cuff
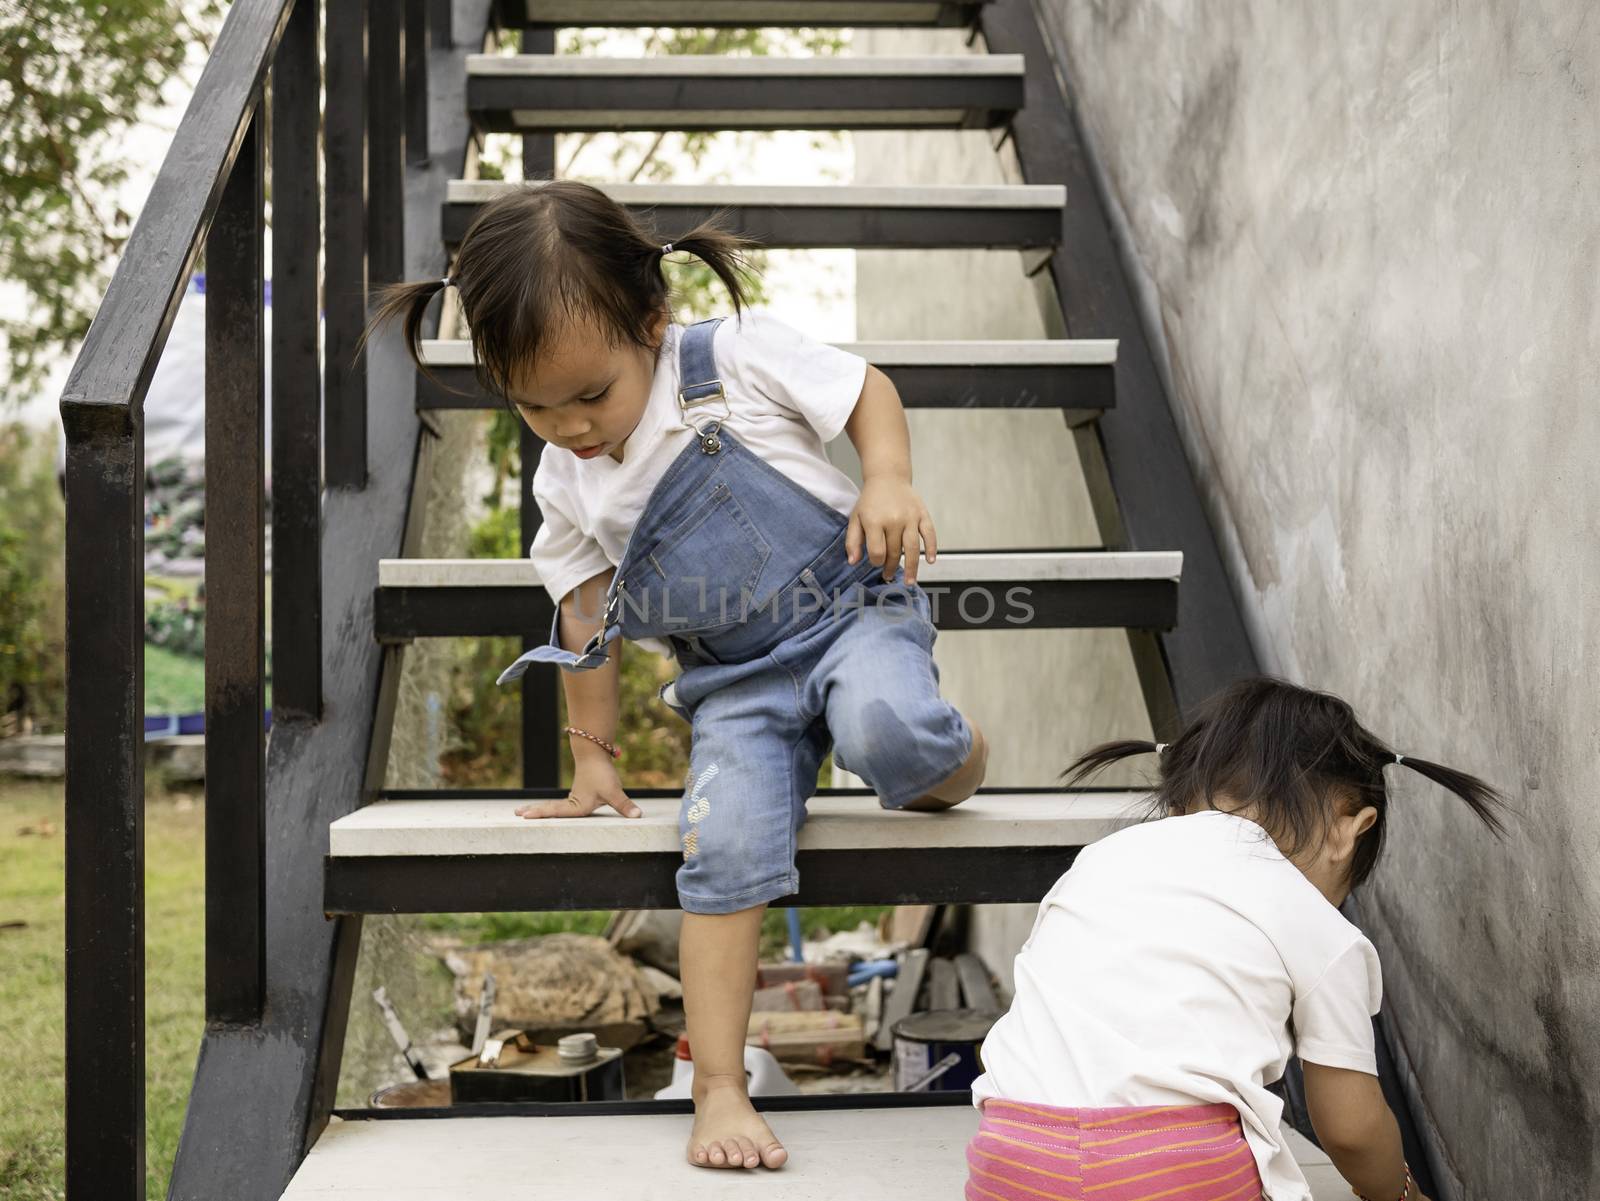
<point>592,655</point>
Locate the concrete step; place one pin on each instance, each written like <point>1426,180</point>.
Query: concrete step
<point>566,92</point>
<point>455,853</point>
<point>1076,376</point>
<point>997,216</point>
<point>967,590</point>
<point>840,1147</point>
<point>738,13</point>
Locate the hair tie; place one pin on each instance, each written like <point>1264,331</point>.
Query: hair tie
<point>1162,746</point>
<point>445,282</point>
<point>1399,759</point>
<point>666,248</point>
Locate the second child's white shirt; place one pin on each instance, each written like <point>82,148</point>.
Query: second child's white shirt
<point>788,396</point>
<point>1182,962</point>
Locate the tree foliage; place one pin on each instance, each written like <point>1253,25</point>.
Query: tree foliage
<point>74,78</point>
<point>32,586</point>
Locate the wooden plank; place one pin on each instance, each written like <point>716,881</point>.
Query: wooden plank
<point>819,1036</point>
<point>976,990</point>
<point>903,997</point>
<point>944,985</point>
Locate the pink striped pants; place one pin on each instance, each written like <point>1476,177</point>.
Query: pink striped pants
<point>1161,1153</point>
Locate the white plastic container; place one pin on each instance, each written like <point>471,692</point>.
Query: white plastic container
<point>764,1073</point>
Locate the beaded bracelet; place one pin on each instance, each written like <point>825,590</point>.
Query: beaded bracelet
<point>614,751</point>
<point>1404,1196</point>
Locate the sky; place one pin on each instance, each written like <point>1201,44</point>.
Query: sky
<point>813,290</point>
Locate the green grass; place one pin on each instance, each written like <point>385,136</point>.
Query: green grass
<point>31,983</point>
<point>172,683</point>
<point>31,980</point>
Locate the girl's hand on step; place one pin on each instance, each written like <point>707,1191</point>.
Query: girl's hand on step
<point>891,521</point>
<point>594,784</point>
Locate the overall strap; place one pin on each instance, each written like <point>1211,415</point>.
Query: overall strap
<point>697,364</point>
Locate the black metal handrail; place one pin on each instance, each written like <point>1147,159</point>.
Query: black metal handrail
<point>209,193</point>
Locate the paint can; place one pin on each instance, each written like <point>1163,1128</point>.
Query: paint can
<point>937,1051</point>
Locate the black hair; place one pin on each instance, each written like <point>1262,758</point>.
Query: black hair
<point>545,253</point>
<point>1291,757</point>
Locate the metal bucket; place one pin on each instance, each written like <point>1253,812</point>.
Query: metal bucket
<point>937,1051</point>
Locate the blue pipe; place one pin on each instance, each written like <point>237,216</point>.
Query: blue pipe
<point>863,972</point>
<point>796,939</point>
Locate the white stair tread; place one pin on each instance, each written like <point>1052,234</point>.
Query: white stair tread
<point>998,196</point>
<point>758,66</point>
<point>888,1154</point>
<point>951,567</point>
<point>1037,352</point>
<point>453,826</point>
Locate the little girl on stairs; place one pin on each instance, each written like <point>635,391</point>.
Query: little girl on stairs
<point>686,499</point>
<point>1179,963</point>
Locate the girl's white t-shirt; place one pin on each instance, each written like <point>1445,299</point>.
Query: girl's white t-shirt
<point>1182,962</point>
<point>788,396</point>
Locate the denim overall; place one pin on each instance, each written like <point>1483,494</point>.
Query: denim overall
<point>783,646</point>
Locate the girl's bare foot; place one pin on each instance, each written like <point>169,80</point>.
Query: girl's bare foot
<point>728,1132</point>
<point>961,783</point>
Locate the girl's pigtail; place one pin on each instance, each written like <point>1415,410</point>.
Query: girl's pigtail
<point>1103,756</point>
<point>1485,802</point>
<point>406,302</point>
<point>725,252</point>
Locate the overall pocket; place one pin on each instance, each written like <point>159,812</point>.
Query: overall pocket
<point>700,574</point>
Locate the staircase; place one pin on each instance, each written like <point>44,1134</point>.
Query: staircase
<point>442,851</point>
<point>261,1122</point>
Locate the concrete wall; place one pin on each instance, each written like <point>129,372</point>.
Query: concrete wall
<point>1372,238</point>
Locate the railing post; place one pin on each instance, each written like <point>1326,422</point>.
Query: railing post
<point>296,375</point>
<point>105,801</point>
<point>541,744</point>
<point>538,149</point>
<point>441,23</point>
<point>386,136</point>
<point>236,770</point>
<point>541,714</point>
<point>416,36</point>
<point>345,178</point>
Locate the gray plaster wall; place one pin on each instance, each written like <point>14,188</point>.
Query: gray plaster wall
<point>1371,239</point>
